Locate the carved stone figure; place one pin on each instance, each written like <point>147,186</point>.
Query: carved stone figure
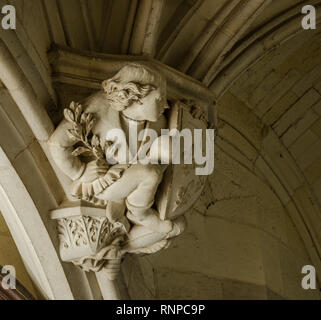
<point>117,214</point>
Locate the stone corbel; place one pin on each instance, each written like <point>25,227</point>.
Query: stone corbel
<point>88,239</point>
<point>88,70</point>
<point>96,232</point>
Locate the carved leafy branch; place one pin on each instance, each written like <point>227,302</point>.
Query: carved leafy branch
<point>81,132</point>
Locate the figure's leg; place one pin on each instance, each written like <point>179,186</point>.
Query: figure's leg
<point>138,186</point>
<point>148,217</point>
<point>143,240</point>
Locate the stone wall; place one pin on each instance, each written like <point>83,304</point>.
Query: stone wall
<point>246,237</point>
<point>240,244</point>
<point>256,223</point>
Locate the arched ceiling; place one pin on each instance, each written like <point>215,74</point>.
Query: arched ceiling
<point>253,54</point>
<point>198,37</point>
<point>275,107</point>
<point>174,31</point>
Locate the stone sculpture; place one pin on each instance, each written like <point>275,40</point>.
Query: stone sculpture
<point>117,214</point>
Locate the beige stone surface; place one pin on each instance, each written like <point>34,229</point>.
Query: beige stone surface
<point>280,106</point>
<point>188,285</point>
<point>257,222</point>
<point>251,263</point>
<point>296,111</point>
<point>301,145</point>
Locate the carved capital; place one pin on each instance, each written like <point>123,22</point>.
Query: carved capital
<point>89,239</point>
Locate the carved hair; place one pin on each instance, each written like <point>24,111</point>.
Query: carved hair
<point>132,83</point>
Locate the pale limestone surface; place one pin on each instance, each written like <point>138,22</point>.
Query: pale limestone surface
<point>115,213</point>
<point>264,197</point>
<point>260,258</point>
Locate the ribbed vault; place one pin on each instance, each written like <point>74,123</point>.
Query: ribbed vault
<point>263,69</point>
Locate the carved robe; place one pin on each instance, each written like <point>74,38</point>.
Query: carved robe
<point>106,118</point>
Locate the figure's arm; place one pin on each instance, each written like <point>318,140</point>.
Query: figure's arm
<point>61,147</point>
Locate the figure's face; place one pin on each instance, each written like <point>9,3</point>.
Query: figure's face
<point>153,105</point>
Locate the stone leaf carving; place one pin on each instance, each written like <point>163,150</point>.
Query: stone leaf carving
<point>90,242</point>
<point>81,132</point>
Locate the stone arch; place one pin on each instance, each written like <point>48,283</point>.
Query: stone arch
<point>21,204</point>
<point>29,186</point>
<point>252,49</point>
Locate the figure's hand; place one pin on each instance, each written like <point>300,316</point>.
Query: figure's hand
<point>114,173</point>
<point>93,171</point>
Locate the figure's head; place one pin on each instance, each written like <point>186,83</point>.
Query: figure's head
<point>137,91</point>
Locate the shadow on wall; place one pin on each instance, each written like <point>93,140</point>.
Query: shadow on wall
<point>240,244</point>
